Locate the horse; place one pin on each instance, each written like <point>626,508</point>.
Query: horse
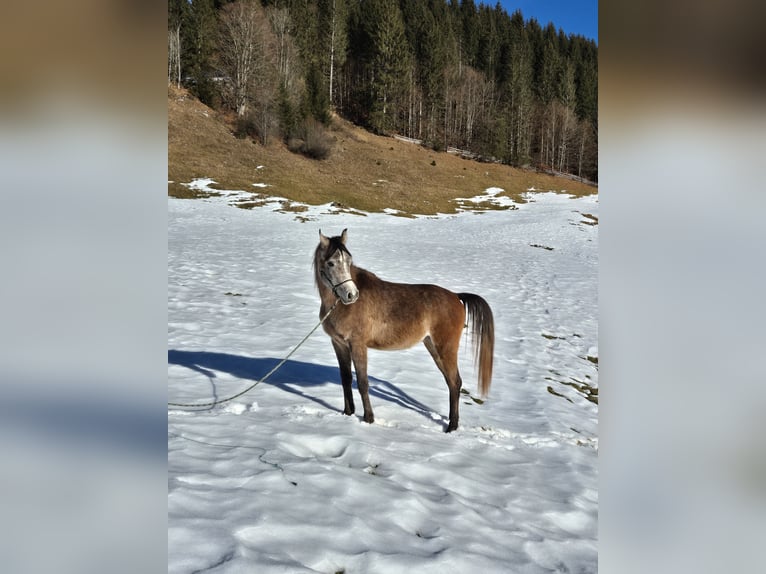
<point>378,314</point>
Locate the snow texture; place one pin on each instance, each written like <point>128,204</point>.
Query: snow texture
<point>279,480</point>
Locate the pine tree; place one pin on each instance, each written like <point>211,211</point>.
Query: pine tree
<point>434,59</point>
<point>549,67</point>
<point>568,116</point>
<point>288,121</point>
<point>317,102</point>
<point>389,64</point>
<point>488,45</point>
<point>521,99</point>
<point>587,81</point>
<point>198,47</point>
<point>471,32</point>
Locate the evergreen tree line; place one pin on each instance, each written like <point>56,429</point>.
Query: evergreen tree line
<point>449,73</point>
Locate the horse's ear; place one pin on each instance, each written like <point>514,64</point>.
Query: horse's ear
<point>344,236</point>
<point>324,241</point>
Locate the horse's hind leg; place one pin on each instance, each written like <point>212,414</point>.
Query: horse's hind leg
<point>445,357</point>
<point>343,352</point>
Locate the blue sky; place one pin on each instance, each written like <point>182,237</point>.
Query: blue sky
<point>574,16</point>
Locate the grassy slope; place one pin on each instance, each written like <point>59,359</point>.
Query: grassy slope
<point>364,171</point>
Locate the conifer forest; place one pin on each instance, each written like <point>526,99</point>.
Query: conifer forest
<point>449,73</point>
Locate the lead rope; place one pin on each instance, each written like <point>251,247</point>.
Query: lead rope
<point>271,372</point>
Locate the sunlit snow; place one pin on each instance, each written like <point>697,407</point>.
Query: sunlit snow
<point>279,480</point>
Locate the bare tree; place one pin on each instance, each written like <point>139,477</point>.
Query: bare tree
<point>337,38</point>
<point>279,18</point>
<point>478,100</point>
<point>241,47</point>
<point>174,55</point>
<point>176,11</point>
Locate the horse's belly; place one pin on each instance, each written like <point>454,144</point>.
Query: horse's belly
<point>393,345</point>
<point>393,339</point>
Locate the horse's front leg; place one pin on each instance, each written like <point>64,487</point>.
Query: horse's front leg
<point>343,352</point>
<point>359,355</point>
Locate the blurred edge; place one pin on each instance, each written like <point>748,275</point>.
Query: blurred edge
<point>682,111</point>
<point>83,291</point>
<point>108,51</point>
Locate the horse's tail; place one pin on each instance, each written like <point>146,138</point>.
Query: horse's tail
<point>479,319</point>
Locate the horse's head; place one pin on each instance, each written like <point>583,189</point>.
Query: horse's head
<point>333,267</point>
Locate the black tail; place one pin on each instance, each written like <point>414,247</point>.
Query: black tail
<point>482,324</point>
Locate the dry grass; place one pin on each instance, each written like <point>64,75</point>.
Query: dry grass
<point>363,172</point>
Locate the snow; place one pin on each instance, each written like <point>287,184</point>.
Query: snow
<point>279,480</point>
<point>201,184</point>
<point>490,197</point>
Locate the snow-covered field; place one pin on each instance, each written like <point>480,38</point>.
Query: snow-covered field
<point>279,480</point>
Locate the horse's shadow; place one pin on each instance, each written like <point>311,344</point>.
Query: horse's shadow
<point>294,377</point>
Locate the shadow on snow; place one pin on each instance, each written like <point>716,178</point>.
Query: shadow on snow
<point>292,377</point>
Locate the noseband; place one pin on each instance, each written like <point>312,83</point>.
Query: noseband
<point>334,287</point>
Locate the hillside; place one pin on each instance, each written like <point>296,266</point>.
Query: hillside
<point>364,171</point>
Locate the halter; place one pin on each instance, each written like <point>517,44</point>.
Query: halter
<point>334,287</point>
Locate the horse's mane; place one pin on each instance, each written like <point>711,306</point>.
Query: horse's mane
<point>362,277</point>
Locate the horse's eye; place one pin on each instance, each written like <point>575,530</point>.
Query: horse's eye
<point>330,264</point>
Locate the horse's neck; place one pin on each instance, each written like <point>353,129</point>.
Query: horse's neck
<point>360,275</point>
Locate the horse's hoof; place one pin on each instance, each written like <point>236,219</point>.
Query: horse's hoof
<point>451,427</point>
<point>369,419</point>
<point>348,412</point>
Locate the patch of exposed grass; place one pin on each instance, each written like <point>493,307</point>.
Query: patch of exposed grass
<point>551,391</point>
<point>585,389</point>
<point>552,337</point>
<point>590,219</point>
<point>482,206</point>
<point>470,396</point>
<point>362,171</point>
<point>176,189</point>
<point>249,204</point>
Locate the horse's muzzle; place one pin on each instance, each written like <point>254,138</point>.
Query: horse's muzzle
<point>347,292</point>
<point>350,296</point>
